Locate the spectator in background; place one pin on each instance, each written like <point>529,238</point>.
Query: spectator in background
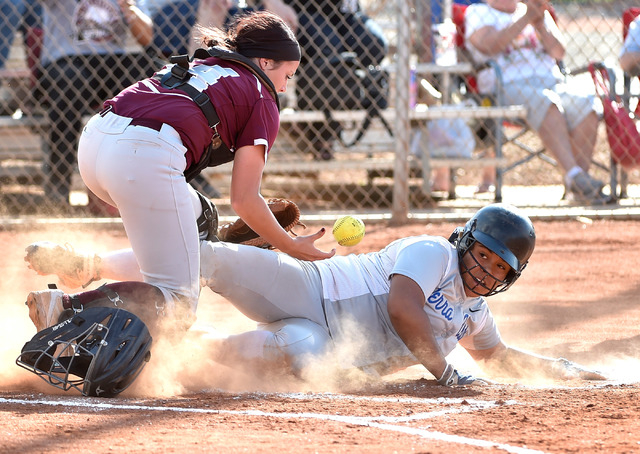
<point>432,13</point>
<point>174,21</point>
<point>630,53</point>
<point>91,51</point>
<point>16,15</point>
<point>26,17</point>
<point>525,42</point>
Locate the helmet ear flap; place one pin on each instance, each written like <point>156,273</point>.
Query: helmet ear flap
<point>455,236</point>
<point>462,238</point>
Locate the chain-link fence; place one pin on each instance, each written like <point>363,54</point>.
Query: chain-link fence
<point>365,106</point>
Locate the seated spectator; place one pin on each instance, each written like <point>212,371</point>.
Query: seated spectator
<point>630,53</point>
<point>334,36</point>
<point>525,42</point>
<point>90,52</point>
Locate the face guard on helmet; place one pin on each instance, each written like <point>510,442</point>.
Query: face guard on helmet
<point>99,351</point>
<point>505,231</point>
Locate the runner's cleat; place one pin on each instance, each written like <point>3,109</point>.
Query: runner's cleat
<point>45,307</point>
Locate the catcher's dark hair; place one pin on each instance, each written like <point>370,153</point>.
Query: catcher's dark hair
<point>254,34</point>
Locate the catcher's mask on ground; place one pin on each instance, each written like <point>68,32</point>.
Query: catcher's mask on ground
<point>505,231</point>
<point>99,351</point>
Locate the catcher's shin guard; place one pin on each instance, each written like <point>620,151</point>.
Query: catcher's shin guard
<point>144,300</point>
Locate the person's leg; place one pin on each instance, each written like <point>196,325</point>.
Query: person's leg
<point>583,140</point>
<point>555,136</point>
<point>488,182</point>
<point>265,285</point>
<point>33,39</point>
<point>582,121</point>
<point>136,169</point>
<point>546,115</point>
<point>65,82</point>
<point>11,12</point>
<point>284,347</point>
<point>441,177</point>
<point>48,307</point>
<point>281,293</point>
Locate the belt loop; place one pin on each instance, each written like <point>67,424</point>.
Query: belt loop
<point>106,110</point>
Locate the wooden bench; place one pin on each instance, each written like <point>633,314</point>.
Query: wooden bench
<point>21,153</point>
<point>376,156</point>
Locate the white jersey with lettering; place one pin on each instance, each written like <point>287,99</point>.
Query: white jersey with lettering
<point>356,290</point>
<point>339,305</point>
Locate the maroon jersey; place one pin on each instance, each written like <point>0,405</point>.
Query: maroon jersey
<point>248,112</point>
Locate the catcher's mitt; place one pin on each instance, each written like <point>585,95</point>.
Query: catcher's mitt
<point>286,213</point>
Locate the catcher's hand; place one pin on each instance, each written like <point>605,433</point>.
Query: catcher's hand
<point>286,213</point>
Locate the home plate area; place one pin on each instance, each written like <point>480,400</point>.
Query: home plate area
<point>415,416</point>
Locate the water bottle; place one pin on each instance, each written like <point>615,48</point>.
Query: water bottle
<point>444,35</point>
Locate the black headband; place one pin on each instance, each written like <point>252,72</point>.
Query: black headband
<point>278,50</point>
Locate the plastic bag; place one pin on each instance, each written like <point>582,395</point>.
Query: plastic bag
<point>446,138</point>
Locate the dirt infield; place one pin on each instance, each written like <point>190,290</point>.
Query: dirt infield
<point>577,299</point>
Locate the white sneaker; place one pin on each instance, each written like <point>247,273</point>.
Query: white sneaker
<point>45,307</point>
<point>74,269</point>
<point>585,188</point>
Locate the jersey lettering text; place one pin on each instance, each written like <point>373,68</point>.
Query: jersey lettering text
<point>441,304</point>
<point>203,75</point>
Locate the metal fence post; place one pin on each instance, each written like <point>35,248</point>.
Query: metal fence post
<point>400,206</point>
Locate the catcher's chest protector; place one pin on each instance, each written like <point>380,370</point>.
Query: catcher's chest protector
<point>179,75</point>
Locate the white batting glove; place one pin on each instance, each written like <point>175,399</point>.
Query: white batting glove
<point>568,370</point>
<point>451,377</point>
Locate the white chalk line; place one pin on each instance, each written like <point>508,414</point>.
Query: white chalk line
<point>356,420</point>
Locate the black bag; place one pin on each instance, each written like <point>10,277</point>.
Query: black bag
<point>347,85</point>
<point>343,83</point>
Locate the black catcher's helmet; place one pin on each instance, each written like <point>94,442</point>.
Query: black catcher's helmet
<point>99,351</point>
<point>504,230</point>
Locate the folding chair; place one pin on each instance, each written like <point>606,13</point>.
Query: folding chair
<point>513,130</point>
<point>627,17</point>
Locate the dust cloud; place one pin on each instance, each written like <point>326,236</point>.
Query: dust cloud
<point>187,367</point>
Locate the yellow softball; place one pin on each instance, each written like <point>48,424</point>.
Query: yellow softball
<point>348,230</point>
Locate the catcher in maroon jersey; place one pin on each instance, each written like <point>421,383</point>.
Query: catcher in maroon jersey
<point>139,153</point>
